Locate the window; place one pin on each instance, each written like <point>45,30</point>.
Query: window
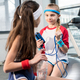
<point>7,8</point>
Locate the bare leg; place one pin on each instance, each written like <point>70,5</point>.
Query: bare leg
<point>50,67</point>
<point>23,79</point>
<point>56,72</point>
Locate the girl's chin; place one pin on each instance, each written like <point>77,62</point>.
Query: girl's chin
<point>51,24</point>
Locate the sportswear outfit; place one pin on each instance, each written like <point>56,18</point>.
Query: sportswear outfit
<point>27,74</point>
<point>22,74</point>
<point>48,34</point>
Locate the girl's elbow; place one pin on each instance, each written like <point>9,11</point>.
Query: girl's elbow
<point>65,51</point>
<point>5,69</point>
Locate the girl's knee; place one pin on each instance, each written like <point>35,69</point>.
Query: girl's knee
<point>23,79</point>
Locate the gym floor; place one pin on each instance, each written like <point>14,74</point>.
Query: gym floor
<point>3,76</point>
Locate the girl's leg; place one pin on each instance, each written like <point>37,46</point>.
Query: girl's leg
<point>56,72</point>
<point>23,79</point>
<point>50,67</point>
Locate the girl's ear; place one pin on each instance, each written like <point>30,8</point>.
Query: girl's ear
<point>59,15</point>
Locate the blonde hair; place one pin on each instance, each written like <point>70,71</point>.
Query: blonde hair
<point>52,5</point>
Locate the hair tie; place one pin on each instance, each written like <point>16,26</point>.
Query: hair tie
<point>20,17</point>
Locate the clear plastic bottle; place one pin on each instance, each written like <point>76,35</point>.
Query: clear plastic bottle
<point>42,67</point>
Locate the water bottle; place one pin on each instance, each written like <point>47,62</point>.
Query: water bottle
<point>42,66</point>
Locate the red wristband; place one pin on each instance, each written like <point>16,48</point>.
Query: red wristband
<point>35,74</point>
<point>43,52</point>
<point>25,64</point>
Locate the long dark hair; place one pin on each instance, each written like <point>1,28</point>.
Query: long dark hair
<point>24,27</point>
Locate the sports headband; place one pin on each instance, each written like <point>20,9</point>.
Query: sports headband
<point>37,13</point>
<point>52,11</point>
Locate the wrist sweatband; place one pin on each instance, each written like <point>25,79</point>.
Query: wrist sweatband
<point>35,74</point>
<point>60,43</point>
<point>39,49</point>
<point>25,64</point>
<point>43,52</point>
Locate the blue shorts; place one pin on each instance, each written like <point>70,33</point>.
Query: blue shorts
<point>27,74</point>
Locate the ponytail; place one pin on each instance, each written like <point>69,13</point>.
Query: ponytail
<point>16,16</point>
<point>58,27</point>
<point>27,33</point>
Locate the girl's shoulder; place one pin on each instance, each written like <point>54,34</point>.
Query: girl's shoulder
<point>16,43</point>
<point>42,30</point>
<point>17,39</point>
<point>63,29</point>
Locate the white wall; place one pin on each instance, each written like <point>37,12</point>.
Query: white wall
<point>3,39</point>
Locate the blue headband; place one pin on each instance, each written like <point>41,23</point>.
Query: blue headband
<point>52,11</point>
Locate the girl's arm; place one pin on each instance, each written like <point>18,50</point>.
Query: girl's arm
<point>62,48</point>
<point>11,66</point>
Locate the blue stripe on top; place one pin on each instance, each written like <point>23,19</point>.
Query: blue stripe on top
<point>52,11</point>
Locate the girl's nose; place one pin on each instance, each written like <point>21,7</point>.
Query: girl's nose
<point>49,17</point>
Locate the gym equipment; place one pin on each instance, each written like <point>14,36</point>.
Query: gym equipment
<point>73,69</point>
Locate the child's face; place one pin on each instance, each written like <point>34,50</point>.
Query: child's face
<point>51,17</point>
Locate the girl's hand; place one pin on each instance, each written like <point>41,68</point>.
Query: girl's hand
<point>39,43</point>
<point>58,35</point>
<point>38,57</point>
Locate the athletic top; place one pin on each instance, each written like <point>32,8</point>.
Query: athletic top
<point>48,35</point>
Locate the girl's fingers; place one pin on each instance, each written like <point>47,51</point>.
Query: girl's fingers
<point>39,43</point>
<point>38,40</point>
<point>42,50</point>
<point>41,56</point>
<point>58,35</point>
<point>44,58</point>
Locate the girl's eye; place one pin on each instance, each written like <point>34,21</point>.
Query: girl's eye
<point>52,15</point>
<point>46,15</point>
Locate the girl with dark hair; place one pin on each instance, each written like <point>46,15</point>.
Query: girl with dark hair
<point>56,41</point>
<point>21,44</point>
